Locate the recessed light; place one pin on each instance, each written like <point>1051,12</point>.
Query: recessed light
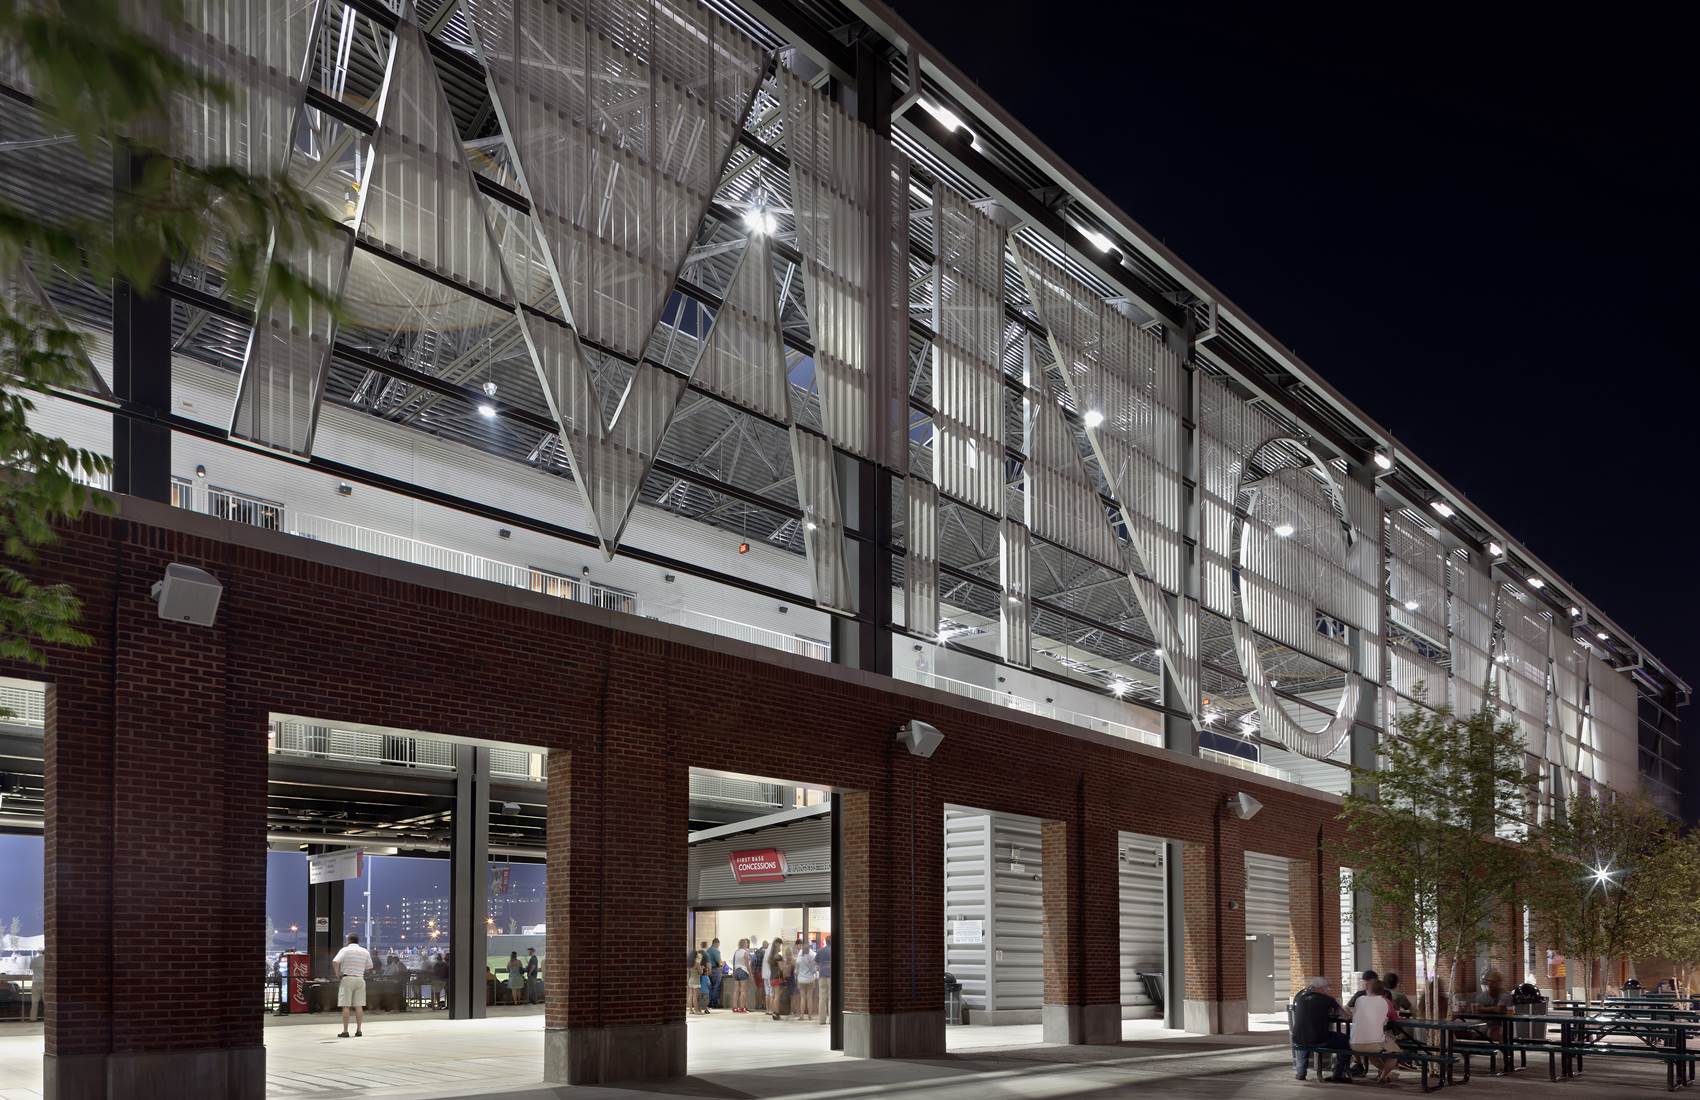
<point>1536,582</point>
<point>1382,460</point>
<point>1496,550</point>
<point>1576,613</point>
<point>1284,530</point>
<point>1603,636</point>
<point>1444,509</point>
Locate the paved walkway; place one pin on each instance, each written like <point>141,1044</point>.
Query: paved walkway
<point>422,1056</point>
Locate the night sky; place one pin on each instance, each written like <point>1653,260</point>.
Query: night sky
<point>1478,226</point>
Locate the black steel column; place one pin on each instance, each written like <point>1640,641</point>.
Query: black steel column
<point>469,879</point>
<point>835,1006</point>
<point>141,371</point>
<point>324,902</point>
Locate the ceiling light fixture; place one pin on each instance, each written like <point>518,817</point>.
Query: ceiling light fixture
<point>1118,688</point>
<point>1537,583</point>
<point>1603,636</point>
<point>1575,612</point>
<point>1383,460</point>
<point>1442,508</point>
<point>486,409</point>
<point>1496,550</point>
<point>1093,418</point>
<point>1412,605</point>
<point>1284,530</point>
<point>760,222</point>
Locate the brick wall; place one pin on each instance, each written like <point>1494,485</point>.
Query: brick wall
<point>156,769</point>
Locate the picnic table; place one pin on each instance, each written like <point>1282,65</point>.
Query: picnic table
<point>1580,1037</point>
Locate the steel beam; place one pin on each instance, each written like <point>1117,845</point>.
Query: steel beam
<point>469,883</point>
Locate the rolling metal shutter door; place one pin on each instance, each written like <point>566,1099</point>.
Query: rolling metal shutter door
<point>807,845</point>
<point>1267,910</point>
<point>1142,891</point>
<point>1018,959</point>
<point>967,842</point>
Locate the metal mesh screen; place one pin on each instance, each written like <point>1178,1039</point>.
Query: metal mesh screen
<point>968,389</point>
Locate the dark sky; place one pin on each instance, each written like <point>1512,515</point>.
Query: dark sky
<point>1478,226</point>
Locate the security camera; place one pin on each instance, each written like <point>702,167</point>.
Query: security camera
<point>188,595</point>
<point>919,738</point>
<point>1244,806</point>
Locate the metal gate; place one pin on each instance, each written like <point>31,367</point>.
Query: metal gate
<point>967,846</point>
<point>1142,938</point>
<point>1267,911</point>
<point>992,873</point>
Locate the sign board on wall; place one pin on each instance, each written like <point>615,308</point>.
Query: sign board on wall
<point>758,865</point>
<point>335,866</point>
<point>967,931</point>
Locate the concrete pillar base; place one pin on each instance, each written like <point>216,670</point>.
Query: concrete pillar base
<point>1083,1025</point>
<point>235,1072</point>
<point>598,1055</point>
<point>894,1034</point>
<point>1216,1017</point>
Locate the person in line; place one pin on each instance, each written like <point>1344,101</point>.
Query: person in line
<point>349,967</point>
<point>791,978</point>
<point>758,975</point>
<point>1369,1030</point>
<point>695,996</point>
<point>808,979</point>
<point>823,988</point>
<point>1314,1013</point>
<point>532,992</point>
<point>516,976</point>
<point>778,970</point>
<point>741,977</point>
<point>715,974</point>
<point>38,984</point>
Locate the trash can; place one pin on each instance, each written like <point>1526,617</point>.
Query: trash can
<point>952,1000</point>
<point>1526,1000</point>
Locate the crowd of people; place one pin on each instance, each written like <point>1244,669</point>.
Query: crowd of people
<point>1373,1014</point>
<point>770,977</point>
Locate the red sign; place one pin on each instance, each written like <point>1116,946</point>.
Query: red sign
<point>765,865</point>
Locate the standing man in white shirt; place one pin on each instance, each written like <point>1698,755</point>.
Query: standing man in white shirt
<point>349,967</point>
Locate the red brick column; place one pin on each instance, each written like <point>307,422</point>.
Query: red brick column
<point>1313,930</point>
<point>1082,932</point>
<point>156,795</point>
<point>1214,877</point>
<point>618,825</point>
<point>889,952</point>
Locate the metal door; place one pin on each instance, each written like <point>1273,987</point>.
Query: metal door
<point>1260,973</point>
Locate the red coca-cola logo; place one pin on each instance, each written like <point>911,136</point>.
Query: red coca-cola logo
<point>763,865</point>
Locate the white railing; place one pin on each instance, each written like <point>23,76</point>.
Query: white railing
<point>1234,760</point>
<point>401,750</point>
<point>1044,710</point>
<point>23,705</point>
<point>744,632</point>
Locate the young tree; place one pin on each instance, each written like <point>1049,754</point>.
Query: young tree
<point>1423,832</point>
<point>1664,909</point>
<point>1590,869</point>
<point>108,86</point>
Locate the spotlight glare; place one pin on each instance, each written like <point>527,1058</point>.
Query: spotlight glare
<point>1443,509</point>
<point>1284,530</point>
<point>486,409</point>
<point>1382,460</point>
<point>1093,418</point>
<point>1412,605</point>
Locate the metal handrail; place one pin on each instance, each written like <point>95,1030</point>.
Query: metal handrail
<point>1044,710</point>
<point>1234,760</point>
<point>745,632</point>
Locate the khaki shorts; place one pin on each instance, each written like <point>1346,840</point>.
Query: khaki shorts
<point>351,992</point>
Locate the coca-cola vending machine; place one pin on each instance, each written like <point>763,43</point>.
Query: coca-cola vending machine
<point>297,965</point>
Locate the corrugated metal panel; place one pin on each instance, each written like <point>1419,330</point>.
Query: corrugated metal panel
<point>1017,937</point>
<point>967,843</point>
<point>807,846</point>
<point>1142,892</point>
<point>1268,910</point>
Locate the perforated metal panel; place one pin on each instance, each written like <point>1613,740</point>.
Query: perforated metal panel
<point>1015,611</point>
<point>1611,696</point>
<point>921,558</point>
<point>968,389</point>
<point>823,519</point>
<point>744,358</point>
<point>1063,506</point>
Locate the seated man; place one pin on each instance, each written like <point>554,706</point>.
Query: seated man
<point>1314,1013</point>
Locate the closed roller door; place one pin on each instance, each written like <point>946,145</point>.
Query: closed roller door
<point>1142,892</point>
<point>1267,910</point>
<point>1018,948</point>
<point>967,841</point>
<point>807,845</point>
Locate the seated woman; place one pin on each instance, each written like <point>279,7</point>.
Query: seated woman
<point>1369,1031</point>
